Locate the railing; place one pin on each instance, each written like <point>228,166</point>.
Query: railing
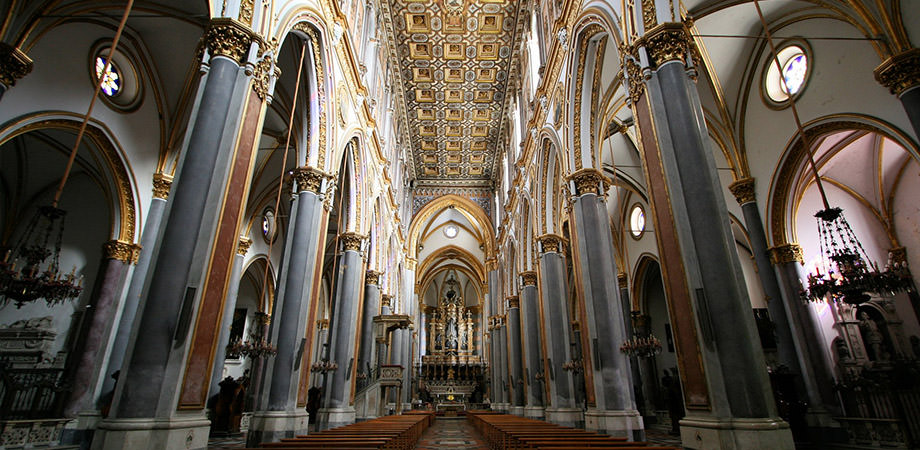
<point>876,415</point>
<point>35,393</point>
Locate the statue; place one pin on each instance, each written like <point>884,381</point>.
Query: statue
<point>872,336</point>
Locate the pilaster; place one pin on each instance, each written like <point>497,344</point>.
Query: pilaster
<point>901,75</point>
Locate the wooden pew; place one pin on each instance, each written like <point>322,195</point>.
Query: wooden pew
<point>389,432</point>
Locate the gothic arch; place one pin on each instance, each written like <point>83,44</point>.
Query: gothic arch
<point>473,212</point>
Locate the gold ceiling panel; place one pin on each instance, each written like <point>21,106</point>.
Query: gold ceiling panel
<point>454,58</point>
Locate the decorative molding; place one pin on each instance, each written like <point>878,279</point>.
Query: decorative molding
<point>351,241</point>
<point>121,251</point>
<point>372,277</point>
<point>743,190</point>
<point>246,8</point>
<point>161,185</point>
<point>649,14</point>
<point>590,181</point>
<point>629,55</point>
<point>667,42</point>
<point>230,38</point>
<point>310,179</point>
<point>14,64</point>
<point>900,72</point>
<point>529,278</point>
<point>786,253</point>
<point>622,280</point>
<point>242,246</point>
<point>265,72</point>
<point>551,243</point>
<point>563,37</point>
<point>491,264</point>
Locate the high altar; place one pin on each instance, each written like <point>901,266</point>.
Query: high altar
<point>452,368</point>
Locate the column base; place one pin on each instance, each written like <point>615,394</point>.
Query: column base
<point>567,417</point>
<point>702,433</point>
<point>517,410</point>
<point>81,430</point>
<point>153,433</point>
<point>627,423</point>
<point>272,426</point>
<point>534,412</point>
<point>335,417</point>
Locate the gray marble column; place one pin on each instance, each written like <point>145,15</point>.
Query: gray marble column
<point>277,415</point>
<point>223,337</point>
<point>516,354</point>
<point>494,384</point>
<point>901,75</point>
<point>161,186</point>
<point>16,64</point>
<point>533,349</point>
<point>560,406</point>
<point>640,389</point>
<point>343,326</point>
<point>371,306</point>
<point>615,409</point>
<point>383,344</point>
<point>502,338</point>
<point>678,153</point>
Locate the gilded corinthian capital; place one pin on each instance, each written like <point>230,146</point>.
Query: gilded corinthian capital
<point>666,42</point>
<point>900,72</point>
<point>372,277</point>
<point>122,251</point>
<point>14,64</point>
<point>310,179</point>
<point>590,181</point>
<point>230,38</point>
<point>351,241</point>
<point>743,190</point>
<point>529,278</point>
<point>786,253</point>
<point>551,243</point>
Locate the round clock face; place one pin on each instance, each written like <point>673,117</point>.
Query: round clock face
<point>268,225</point>
<point>451,231</point>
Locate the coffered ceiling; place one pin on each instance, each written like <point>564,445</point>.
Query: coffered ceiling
<point>455,60</point>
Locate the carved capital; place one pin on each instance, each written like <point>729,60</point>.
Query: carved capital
<point>551,243</point>
<point>576,326</point>
<point>743,190</point>
<point>492,264</point>
<point>372,277</point>
<point>386,300</point>
<point>310,179</point>
<point>14,64</point>
<point>900,72</point>
<point>243,245</point>
<point>161,185</point>
<point>230,38</point>
<point>121,251</point>
<point>513,301</point>
<point>897,255</point>
<point>351,241</point>
<point>529,278</point>
<point>667,42</point>
<point>786,253</point>
<point>590,181</point>
<point>622,280</point>
<point>264,73</point>
<point>323,324</point>
<point>629,56</point>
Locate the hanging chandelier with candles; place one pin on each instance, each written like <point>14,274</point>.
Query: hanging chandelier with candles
<point>643,344</point>
<point>254,347</point>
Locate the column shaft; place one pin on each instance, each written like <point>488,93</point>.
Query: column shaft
<point>223,337</point>
<point>556,329</point>
<point>517,371</point>
<point>371,305</point>
<point>533,349</point>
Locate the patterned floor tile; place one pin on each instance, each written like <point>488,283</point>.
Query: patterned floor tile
<point>451,433</point>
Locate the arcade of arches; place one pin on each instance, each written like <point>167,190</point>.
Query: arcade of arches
<point>289,215</point>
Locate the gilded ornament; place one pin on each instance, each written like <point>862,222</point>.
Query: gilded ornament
<point>310,179</point>
<point>246,8</point>
<point>631,72</point>
<point>264,73</point>
<point>743,190</point>
<point>900,72</point>
<point>323,324</point>
<point>14,64</point>
<point>667,42</point>
<point>590,181</point>
<point>563,37</point>
<point>161,185</point>
<point>551,243</point>
<point>351,241</point>
<point>529,278</point>
<point>576,326</point>
<point>243,245</point>
<point>513,301</point>
<point>786,253</point>
<point>649,14</point>
<point>121,251</point>
<point>372,277</point>
<point>622,280</point>
<point>229,38</point>
<point>386,300</point>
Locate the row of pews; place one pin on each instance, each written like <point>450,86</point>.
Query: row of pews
<point>390,432</point>
<point>507,432</point>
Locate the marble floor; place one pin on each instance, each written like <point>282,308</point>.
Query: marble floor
<point>451,433</point>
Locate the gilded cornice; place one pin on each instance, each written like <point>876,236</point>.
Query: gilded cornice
<point>622,280</point>
<point>529,278</point>
<point>372,277</point>
<point>121,251</point>
<point>666,42</point>
<point>786,253</point>
<point>351,241</point>
<point>743,190</point>
<point>900,72</point>
<point>590,181</point>
<point>242,246</point>
<point>513,301</point>
<point>551,243</point>
<point>230,38</point>
<point>14,64</point>
<point>310,179</point>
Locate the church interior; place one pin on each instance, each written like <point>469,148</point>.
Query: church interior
<point>262,219</point>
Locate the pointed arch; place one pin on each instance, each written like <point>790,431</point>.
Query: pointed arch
<point>473,212</point>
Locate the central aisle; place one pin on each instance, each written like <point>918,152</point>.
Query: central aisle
<point>451,433</point>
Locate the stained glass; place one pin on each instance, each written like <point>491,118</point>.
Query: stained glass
<point>794,73</point>
<point>637,221</point>
<point>111,82</point>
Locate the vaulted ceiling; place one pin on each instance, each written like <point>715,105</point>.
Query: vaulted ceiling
<point>455,59</point>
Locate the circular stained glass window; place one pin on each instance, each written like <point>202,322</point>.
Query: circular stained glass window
<point>451,231</point>
<point>110,76</point>
<point>786,75</point>
<point>637,221</point>
<point>268,225</point>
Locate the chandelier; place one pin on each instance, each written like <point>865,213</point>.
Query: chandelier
<point>641,346</point>
<point>252,348</point>
<point>325,366</point>
<point>575,366</point>
<point>847,276</point>
<point>35,279</point>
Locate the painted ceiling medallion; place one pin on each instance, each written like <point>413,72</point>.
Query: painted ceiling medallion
<point>454,58</point>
